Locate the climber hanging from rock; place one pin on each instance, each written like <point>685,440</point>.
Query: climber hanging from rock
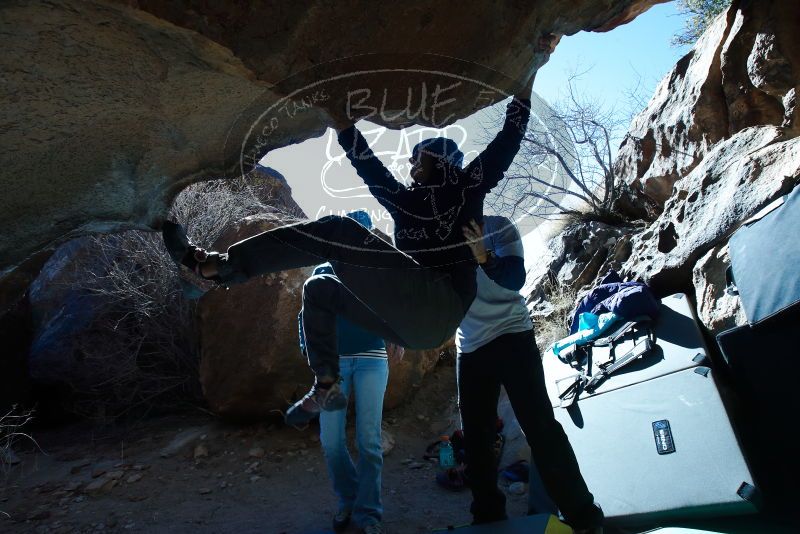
<point>414,294</point>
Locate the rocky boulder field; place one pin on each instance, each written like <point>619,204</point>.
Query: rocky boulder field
<point>717,142</point>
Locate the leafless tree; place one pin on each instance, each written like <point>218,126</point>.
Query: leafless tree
<point>565,164</point>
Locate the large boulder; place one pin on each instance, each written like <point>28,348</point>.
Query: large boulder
<point>743,72</point>
<point>717,309</point>
<point>251,364</point>
<point>115,106</point>
<point>405,376</point>
<point>110,329</point>
<point>737,178</point>
<point>717,142</point>
<point>107,312</point>
<point>574,258</point>
<point>61,311</point>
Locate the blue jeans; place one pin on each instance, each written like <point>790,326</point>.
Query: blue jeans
<point>358,488</point>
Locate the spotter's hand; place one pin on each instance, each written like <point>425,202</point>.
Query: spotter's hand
<point>474,234</point>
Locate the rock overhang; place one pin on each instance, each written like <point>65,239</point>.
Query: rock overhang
<point>118,105</point>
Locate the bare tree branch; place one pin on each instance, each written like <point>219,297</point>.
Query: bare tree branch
<point>565,163</point>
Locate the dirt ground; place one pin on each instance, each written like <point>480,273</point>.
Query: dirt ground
<point>193,473</point>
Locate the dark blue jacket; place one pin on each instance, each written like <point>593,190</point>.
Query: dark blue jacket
<point>428,218</point>
<point>629,300</point>
<point>352,339</point>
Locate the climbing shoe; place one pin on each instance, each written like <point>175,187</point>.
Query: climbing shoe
<point>321,397</point>
<point>342,520</point>
<point>189,259</point>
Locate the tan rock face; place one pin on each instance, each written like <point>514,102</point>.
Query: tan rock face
<point>406,376</point>
<point>738,177</point>
<point>111,112</point>
<point>112,109</point>
<point>717,310</point>
<point>685,117</point>
<point>743,72</point>
<point>251,363</point>
<point>719,141</point>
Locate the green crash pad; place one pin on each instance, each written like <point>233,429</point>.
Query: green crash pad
<point>532,524</point>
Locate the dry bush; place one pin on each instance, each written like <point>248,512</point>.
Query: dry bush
<point>207,209</point>
<point>11,425</point>
<point>565,165</point>
<point>555,325</point>
<point>140,350</point>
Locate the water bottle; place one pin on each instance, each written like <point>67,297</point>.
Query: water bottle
<point>446,457</point>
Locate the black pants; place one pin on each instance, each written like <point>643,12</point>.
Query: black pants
<point>513,361</point>
<point>375,286</point>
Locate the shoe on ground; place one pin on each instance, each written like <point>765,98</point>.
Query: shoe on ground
<point>374,528</point>
<point>596,514</point>
<point>188,258</point>
<point>342,520</point>
<point>318,399</point>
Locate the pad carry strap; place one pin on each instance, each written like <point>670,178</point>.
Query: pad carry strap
<point>570,395</point>
<point>583,382</point>
<point>730,283</point>
<point>618,333</point>
<point>641,348</point>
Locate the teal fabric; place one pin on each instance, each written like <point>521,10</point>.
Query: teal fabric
<point>590,327</point>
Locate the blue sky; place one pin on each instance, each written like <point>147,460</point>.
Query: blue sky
<point>613,63</point>
<point>638,50</point>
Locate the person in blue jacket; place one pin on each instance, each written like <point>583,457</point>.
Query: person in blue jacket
<point>413,294</point>
<point>363,366</point>
<point>497,347</point>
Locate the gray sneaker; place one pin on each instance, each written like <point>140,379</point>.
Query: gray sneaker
<point>341,520</point>
<point>329,399</point>
<point>374,528</point>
